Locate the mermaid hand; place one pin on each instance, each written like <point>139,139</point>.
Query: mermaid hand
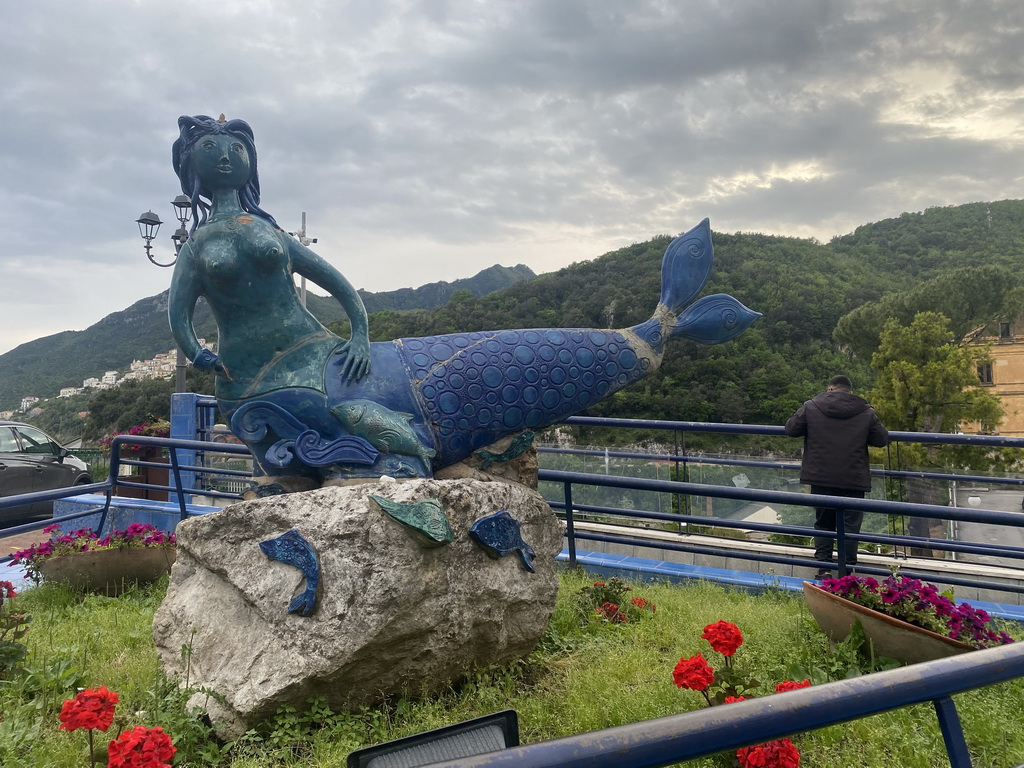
<point>207,361</point>
<point>357,359</point>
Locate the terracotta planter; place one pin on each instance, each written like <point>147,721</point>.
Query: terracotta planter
<point>889,637</point>
<point>109,571</point>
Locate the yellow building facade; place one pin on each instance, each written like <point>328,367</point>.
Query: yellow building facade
<point>1005,376</point>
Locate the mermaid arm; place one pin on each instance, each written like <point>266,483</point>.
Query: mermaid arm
<point>181,304</point>
<point>306,263</point>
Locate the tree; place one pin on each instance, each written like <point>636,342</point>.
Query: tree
<point>60,417</point>
<point>926,382</point>
<point>134,402</point>
<point>969,297</point>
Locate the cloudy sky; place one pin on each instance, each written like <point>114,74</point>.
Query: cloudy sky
<point>429,139</point>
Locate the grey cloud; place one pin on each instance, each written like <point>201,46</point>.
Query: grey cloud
<point>445,132</point>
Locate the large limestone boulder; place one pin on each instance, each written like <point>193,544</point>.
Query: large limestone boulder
<point>393,616</point>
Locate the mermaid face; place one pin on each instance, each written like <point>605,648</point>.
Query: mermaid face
<point>221,162</point>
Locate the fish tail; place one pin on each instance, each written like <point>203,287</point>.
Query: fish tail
<point>526,555</point>
<point>304,603</point>
<point>685,267</point>
<point>684,271</point>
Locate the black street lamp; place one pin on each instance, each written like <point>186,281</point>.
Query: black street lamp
<point>149,224</point>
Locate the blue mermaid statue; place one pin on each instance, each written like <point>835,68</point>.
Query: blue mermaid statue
<point>314,407</point>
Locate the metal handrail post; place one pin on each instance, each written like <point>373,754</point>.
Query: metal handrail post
<point>570,532</point>
<point>179,491</point>
<point>840,517</point>
<point>952,733</point>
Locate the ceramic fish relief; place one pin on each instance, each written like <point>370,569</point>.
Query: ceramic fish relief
<point>425,520</point>
<point>293,549</point>
<point>500,535</point>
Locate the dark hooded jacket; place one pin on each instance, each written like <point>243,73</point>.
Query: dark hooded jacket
<point>837,428</point>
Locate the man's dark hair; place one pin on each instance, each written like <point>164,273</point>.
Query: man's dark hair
<point>841,382</point>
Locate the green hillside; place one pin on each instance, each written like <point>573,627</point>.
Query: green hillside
<point>802,288</point>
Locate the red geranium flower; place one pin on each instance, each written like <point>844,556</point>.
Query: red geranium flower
<point>644,604</point>
<point>791,685</point>
<point>773,754</point>
<point>92,708</point>
<point>610,612</point>
<point>731,699</point>
<point>141,747</point>
<point>693,673</point>
<point>724,637</point>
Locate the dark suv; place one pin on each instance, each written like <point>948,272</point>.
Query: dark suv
<point>30,460</point>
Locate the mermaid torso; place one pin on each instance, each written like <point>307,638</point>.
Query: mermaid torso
<point>267,339</point>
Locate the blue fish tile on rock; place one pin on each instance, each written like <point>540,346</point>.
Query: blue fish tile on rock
<point>500,535</point>
<point>293,549</point>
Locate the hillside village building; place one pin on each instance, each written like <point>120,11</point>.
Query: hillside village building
<point>160,366</point>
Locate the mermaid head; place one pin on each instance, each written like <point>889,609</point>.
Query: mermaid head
<point>194,128</point>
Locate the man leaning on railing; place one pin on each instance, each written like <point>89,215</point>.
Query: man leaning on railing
<point>837,427</point>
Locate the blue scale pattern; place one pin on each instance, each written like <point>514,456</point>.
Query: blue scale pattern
<point>477,387</point>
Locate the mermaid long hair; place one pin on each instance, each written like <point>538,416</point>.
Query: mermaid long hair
<point>192,129</point>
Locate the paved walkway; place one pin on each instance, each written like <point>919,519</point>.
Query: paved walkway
<point>11,544</point>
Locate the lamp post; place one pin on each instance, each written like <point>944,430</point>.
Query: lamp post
<point>149,224</point>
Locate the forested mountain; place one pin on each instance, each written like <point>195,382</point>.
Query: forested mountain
<point>802,288</point>
<point>433,295</point>
<point>44,366</point>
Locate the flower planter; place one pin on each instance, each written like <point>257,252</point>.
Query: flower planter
<point>889,637</point>
<point>109,571</point>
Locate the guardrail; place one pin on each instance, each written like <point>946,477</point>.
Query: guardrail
<point>177,450</point>
<point>569,480</point>
<point>192,416</point>
<point>704,732</point>
<point>195,439</point>
<point>571,483</point>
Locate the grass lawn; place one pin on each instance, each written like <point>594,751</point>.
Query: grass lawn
<point>586,675</point>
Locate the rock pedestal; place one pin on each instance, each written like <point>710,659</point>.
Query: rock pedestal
<point>392,617</point>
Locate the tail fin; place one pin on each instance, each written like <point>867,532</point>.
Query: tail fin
<point>685,267</point>
<point>684,270</point>
<point>713,320</point>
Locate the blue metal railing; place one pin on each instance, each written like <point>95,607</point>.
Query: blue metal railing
<point>108,488</point>
<point>959,514</point>
<point>704,732</point>
<point>192,417</point>
<point>685,490</point>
